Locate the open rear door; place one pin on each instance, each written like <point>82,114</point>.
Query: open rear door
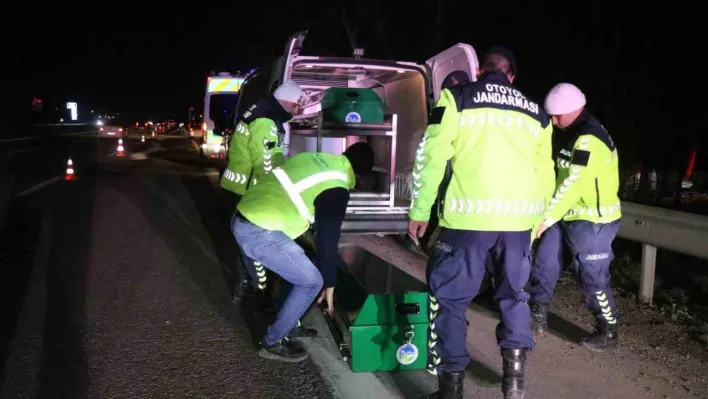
<point>460,57</point>
<point>292,50</point>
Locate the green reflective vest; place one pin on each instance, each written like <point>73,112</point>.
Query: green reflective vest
<point>285,199</point>
<point>500,150</point>
<point>588,176</point>
<point>254,150</point>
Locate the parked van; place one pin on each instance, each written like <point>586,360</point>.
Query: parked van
<point>393,124</point>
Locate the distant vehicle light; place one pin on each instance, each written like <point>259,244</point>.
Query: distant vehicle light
<point>99,123</point>
<point>120,129</point>
<point>204,126</point>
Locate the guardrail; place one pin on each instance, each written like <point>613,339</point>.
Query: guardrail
<point>654,228</point>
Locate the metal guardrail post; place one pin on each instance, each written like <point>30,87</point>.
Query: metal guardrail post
<point>646,284</point>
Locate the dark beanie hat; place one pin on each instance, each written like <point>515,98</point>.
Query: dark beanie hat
<point>506,53</point>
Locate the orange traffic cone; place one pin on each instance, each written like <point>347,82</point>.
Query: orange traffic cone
<point>121,150</point>
<point>69,175</point>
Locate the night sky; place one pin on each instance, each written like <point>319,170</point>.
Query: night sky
<point>152,61</point>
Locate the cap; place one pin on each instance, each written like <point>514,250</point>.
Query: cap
<point>564,98</point>
<point>288,91</point>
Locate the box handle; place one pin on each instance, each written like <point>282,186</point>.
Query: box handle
<point>405,309</point>
<point>353,94</point>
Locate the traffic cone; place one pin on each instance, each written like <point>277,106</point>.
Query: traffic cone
<point>142,139</point>
<point>121,150</point>
<point>69,175</point>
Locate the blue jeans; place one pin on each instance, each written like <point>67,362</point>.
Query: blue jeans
<point>280,254</point>
<point>590,245</point>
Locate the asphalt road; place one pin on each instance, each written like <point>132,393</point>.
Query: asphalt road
<point>110,287</point>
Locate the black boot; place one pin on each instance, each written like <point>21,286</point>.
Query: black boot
<point>265,304</point>
<point>605,336</point>
<point>539,317</point>
<point>513,380</point>
<point>244,289</point>
<point>450,386</point>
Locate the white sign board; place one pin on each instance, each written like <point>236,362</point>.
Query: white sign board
<point>74,110</point>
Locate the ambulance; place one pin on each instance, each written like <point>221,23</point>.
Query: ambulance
<point>220,100</point>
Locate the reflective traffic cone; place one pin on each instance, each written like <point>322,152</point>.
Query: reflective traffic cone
<point>121,150</point>
<point>70,175</point>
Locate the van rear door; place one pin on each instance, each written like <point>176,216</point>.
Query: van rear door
<point>292,50</point>
<point>460,57</point>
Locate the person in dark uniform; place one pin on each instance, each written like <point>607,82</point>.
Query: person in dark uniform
<point>497,144</point>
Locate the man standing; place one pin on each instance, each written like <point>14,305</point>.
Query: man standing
<point>308,188</point>
<point>499,146</point>
<point>584,214</point>
<point>255,149</point>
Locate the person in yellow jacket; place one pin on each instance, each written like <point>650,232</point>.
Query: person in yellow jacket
<point>255,149</point>
<point>309,188</point>
<point>499,146</point>
<point>584,216</point>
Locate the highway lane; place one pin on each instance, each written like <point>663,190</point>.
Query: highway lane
<point>111,285</point>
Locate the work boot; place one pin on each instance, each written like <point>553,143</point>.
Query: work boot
<point>513,380</point>
<point>539,317</point>
<point>244,289</point>
<point>285,351</point>
<point>603,338</point>
<point>450,386</point>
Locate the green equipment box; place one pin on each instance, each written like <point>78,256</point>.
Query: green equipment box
<point>381,315</point>
<point>346,105</point>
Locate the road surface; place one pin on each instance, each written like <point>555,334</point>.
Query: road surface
<point>111,288</point>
